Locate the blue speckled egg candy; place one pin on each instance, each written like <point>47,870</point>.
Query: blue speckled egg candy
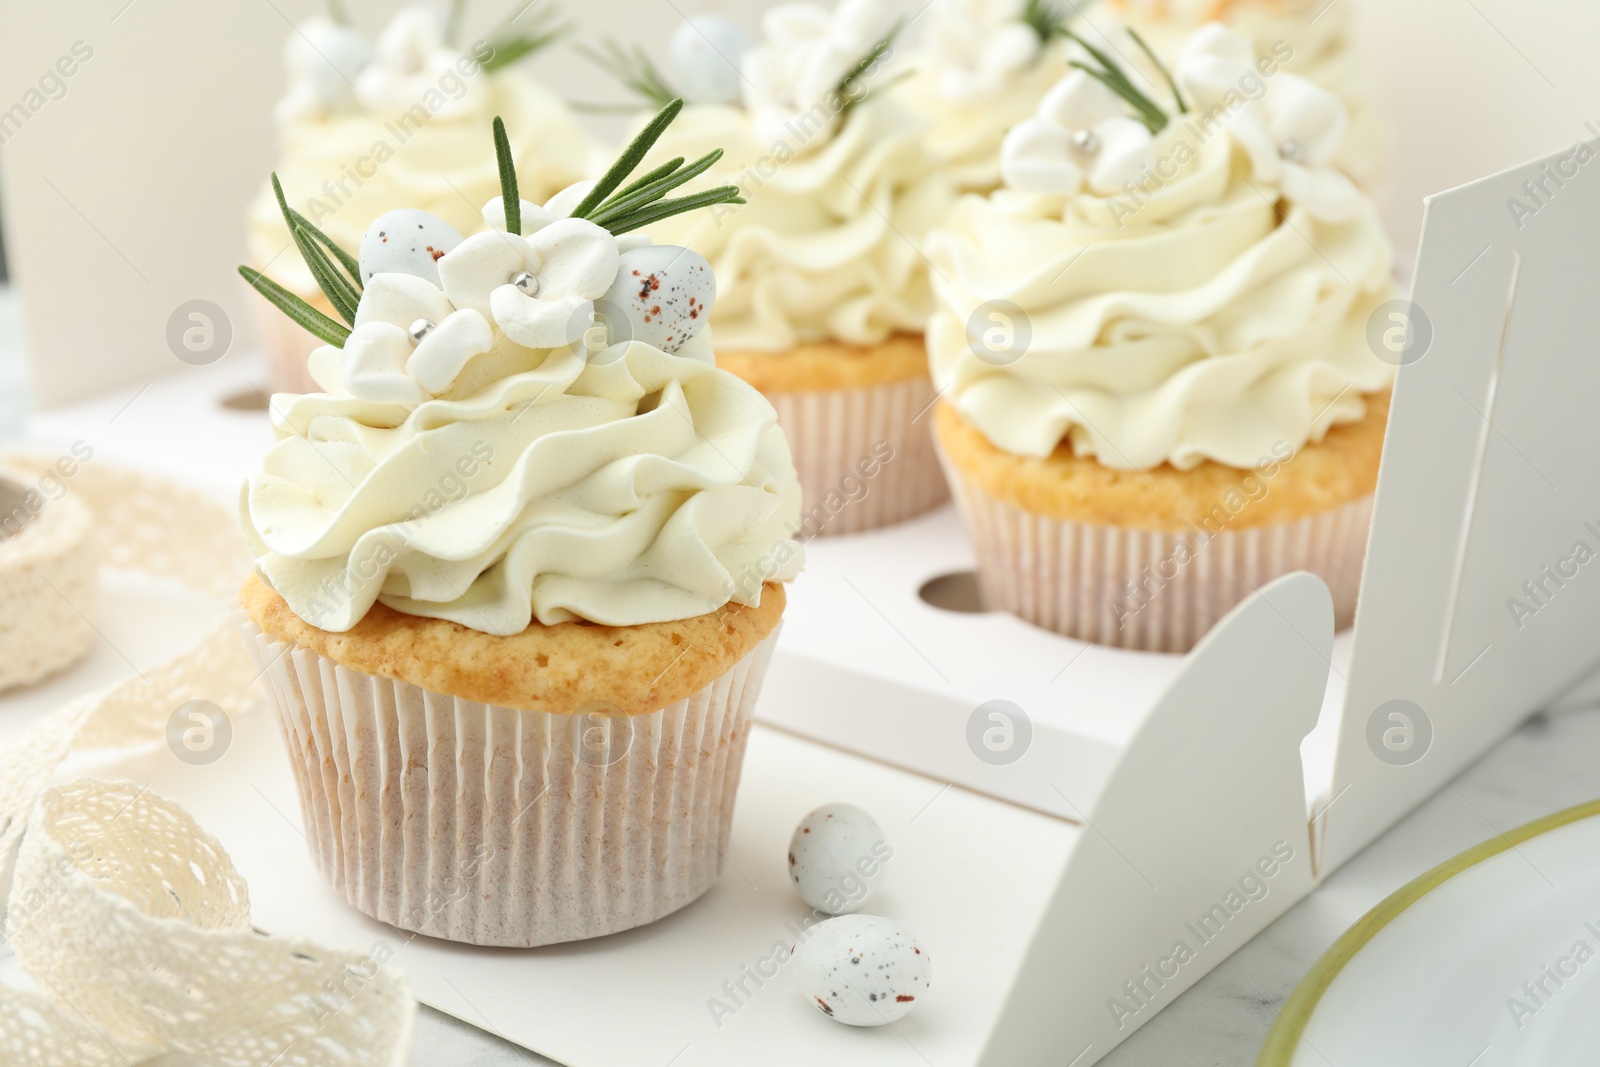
<point>664,293</point>
<point>406,241</point>
<point>862,970</point>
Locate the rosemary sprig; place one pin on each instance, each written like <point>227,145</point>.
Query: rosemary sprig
<point>344,293</point>
<point>337,12</point>
<point>1109,74</point>
<point>849,87</point>
<point>623,208</point>
<point>1172,83</point>
<point>1045,19</point>
<point>509,46</point>
<point>351,265</point>
<point>452,26</point>
<point>633,69</point>
<point>510,199</point>
<point>304,315</point>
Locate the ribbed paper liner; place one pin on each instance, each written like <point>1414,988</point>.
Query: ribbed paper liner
<point>1069,577</point>
<point>833,433</point>
<point>495,826</point>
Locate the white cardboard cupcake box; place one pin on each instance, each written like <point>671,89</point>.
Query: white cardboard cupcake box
<point>1163,809</point>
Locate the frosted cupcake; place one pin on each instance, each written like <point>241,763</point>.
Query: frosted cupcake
<point>518,569</point>
<point>982,67</point>
<point>1151,344</point>
<point>1313,38</point>
<point>366,126</point>
<point>823,290</point>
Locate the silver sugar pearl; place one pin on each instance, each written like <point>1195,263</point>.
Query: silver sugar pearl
<point>418,330</point>
<point>1293,151</point>
<point>1086,142</point>
<point>527,282</point>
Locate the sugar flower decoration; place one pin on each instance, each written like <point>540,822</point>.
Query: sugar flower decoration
<point>981,46</point>
<point>1081,137</point>
<point>412,59</point>
<point>1292,134</point>
<point>793,77</point>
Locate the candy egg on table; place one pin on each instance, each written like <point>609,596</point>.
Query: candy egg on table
<point>406,241</point>
<point>836,857</point>
<point>662,296</point>
<point>706,50</point>
<point>862,970</point>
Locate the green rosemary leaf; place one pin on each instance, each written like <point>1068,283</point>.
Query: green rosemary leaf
<point>510,199</point>
<point>1172,83</point>
<point>629,159</point>
<point>665,209</point>
<point>337,12</point>
<point>1044,18</point>
<point>846,89</point>
<point>508,45</point>
<point>303,314</point>
<point>633,69</point>
<point>1153,118</point>
<point>294,219</point>
<point>656,175</point>
<point>452,26</point>
<point>334,286</point>
<point>619,205</point>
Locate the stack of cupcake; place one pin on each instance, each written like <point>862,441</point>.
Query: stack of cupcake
<point>367,126</point>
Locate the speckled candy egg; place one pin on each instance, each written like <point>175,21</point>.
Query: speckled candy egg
<point>706,52</point>
<point>862,970</point>
<point>836,858</point>
<point>406,241</point>
<point>662,296</point>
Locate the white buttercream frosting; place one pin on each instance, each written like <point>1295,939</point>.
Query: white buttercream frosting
<point>365,129</point>
<point>506,464</point>
<point>827,246</point>
<point>979,70</point>
<point>1204,315</point>
<point>1324,46</point>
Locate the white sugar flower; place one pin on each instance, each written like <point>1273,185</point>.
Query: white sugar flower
<point>981,46</point>
<point>805,53</point>
<point>540,289</point>
<point>1081,136</point>
<point>415,67</point>
<point>1292,133</point>
<point>323,60</point>
<point>409,344</point>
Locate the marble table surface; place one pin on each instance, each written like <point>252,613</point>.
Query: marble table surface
<point>1547,765</point>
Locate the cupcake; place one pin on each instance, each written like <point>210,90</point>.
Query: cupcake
<point>1313,38</point>
<point>982,67</point>
<point>823,290</point>
<point>519,568</point>
<point>1158,393</point>
<point>364,127</point>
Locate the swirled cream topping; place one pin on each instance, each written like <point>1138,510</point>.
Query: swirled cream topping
<point>981,69</point>
<point>363,128</point>
<point>826,247</point>
<point>1212,308</point>
<point>494,447</point>
<point>1318,39</point>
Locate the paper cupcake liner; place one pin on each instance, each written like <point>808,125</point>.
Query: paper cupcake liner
<point>1147,590</point>
<point>840,439</point>
<point>495,826</point>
